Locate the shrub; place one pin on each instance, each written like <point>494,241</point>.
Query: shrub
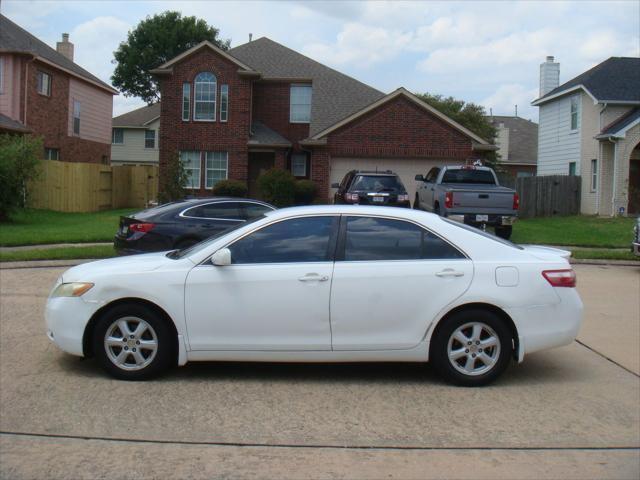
<point>305,192</point>
<point>20,158</point>
<point>230,188</point>
<point>176,178</point>
<point>277,187</point>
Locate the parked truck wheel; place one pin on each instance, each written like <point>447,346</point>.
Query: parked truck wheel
<point>504,231</point>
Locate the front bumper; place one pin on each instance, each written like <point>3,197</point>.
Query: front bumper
<point>66,319</point>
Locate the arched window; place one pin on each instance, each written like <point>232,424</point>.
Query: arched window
<point>205,97</point>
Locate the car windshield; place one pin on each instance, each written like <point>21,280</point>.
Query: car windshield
<point>482,233</point>
<point>468,175</point>
<point>176,254</point>
<point>377,183</point>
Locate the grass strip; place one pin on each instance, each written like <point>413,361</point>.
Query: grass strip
<point>604,254</point>
<point>66,253</point>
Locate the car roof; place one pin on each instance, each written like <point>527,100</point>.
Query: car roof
<point>199,200</point>
<point>385,173</point>
<point>466,167</point>
<point>348,210</point>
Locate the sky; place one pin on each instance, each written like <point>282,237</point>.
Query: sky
<point>483,52</point>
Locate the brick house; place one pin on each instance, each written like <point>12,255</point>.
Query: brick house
<point>42,91</point>
<point>236,113</point>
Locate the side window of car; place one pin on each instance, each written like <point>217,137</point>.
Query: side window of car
<point>370,238</point>
<point>253,210</point>
<point>221,210</point>
<point>310,239</point>
<point>432,175</point>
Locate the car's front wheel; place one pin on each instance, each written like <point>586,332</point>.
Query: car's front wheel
<point>133,343</point>
<point>471,348</point>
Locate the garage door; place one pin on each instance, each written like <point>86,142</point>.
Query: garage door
<point>407,169</point>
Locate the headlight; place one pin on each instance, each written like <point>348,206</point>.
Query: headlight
<point>73,289</point>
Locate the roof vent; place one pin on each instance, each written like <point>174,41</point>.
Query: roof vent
<point>65,47</point>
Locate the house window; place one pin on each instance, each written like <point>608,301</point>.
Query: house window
<point>205,97</point>
<point>216,168</point>
<point>299,165</point>
<point>51,154</point>
<point>574,113</point>
<point>224,103</point>
<point>186,101</point>
<point>149,139</point>
<point>191,162</point>
<point>300,104</point>
<point>76,117</point>
<point>594,175</point>
<point>117,136</point>
<point>572,168</point>
<point>44,83</point>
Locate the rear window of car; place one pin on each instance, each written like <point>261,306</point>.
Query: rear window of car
<point>376,183</point>
<point>482,233</point>
<point>468,175</point>
<point>218,210</point>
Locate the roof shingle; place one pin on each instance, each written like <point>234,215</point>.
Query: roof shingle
<point>139,117</point>
<point>523,139</point>
<point>263,135</point>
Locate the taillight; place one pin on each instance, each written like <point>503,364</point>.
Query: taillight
<point>351,197</point>
<point>448,200</point>
<point>141,227</point>
<point>516,201</point>
<point>403,197</point>
<point>560,278</point>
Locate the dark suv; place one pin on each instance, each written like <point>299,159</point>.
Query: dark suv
<point>360,187</point>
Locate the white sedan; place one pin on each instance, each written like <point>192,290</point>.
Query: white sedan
<point>323,284</point>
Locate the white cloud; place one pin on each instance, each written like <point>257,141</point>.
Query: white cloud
<point>122,104</point>
<point>507,96</point>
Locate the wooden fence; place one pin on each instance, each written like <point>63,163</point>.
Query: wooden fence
<point>548,195</point>
<point>90,187</point>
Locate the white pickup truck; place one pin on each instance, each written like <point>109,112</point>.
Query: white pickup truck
<point>469,194</point>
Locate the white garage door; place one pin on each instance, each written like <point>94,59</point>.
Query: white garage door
<point>407,169</point>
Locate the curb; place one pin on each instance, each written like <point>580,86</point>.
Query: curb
<point>50,246</point>
<point>45,263</point>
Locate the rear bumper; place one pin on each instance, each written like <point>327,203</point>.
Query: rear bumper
<point>492,220</point>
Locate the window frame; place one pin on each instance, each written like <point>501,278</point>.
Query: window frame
<point>594,174</point>
<point>305,156</point>
<point>342,241</point>
<point>146,131</point>
<point>39,83</point>
<point>291,104</point>
<point>199,183</point>
<point>572,169</point>
<point>224,102</point>
<point>186,101</point>
<point>113,136</point>
<point>574,113</point>
<point>73,126</point>
<point>48,150</point>
<point>184,212</point>
<point>195,97</point>
<point>206,169</point>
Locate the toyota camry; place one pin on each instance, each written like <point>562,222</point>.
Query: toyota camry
<point>323,284</point>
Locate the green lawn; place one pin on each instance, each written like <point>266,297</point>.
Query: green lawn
<point>66,253</point>
<point>604,254</point>
<point>37,227</point>
<point>577,231</point>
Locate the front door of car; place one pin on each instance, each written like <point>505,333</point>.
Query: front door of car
<point>391,279</point>
<point>273,296</point>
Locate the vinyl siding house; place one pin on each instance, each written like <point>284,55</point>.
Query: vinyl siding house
<point>237,113</point>
<point>135,137</point>
<point>42,91</point>
<point>517,142</point>
<point>590,126</point>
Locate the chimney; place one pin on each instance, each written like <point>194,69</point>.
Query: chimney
<point>250,36</point>
<point>65,47</point>
<point>549,75</point>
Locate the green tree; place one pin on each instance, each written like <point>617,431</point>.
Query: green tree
<point>175,178</point>
<point>20,158</point>
<point>469,115</point>
<point>154,41</point>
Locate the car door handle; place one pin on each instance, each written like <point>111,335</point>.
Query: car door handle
<point>450,273</point>
<point>313,277</point>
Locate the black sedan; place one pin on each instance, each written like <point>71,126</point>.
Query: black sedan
<point>183,223</point>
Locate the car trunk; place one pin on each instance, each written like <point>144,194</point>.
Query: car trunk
<point>488,199</point>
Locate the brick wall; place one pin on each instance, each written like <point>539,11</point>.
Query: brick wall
<point>230,136</point>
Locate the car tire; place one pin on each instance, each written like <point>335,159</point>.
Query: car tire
<point>475,364</point>
<point>504,231</point>
<point>132,342</point>
<point>416,203</point>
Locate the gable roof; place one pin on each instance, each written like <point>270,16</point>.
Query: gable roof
<point>335,95</point>
<point>619,128</point>
<point>616,80</point>
<point>12,125</point>
<point>387,98</point>
<point>138,118</point>
<point>523,139</point>
<point>261,135</point>
<point>166,67</point>
<point>15,39</point>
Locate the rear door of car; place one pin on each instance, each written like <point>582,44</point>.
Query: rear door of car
<point>390,280</point>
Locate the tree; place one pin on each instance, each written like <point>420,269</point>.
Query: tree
<point>20,158</point>
<point>154,41</point>
<point>176,177</point>
<point>469,115</point>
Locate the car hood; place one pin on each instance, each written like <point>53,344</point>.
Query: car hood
<point>546,253</point>
<point>130,264</point>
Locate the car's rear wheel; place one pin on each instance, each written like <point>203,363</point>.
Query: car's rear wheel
<point>471,348</point>
<point>504,231</point>
<point>133,343</point>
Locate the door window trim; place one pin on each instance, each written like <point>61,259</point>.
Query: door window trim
<point>342,241</point>
<point>241,208</point>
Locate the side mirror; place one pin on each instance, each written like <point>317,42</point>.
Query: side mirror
<point>420,178</point>
<point>335,185</point>
<point>221,258</point>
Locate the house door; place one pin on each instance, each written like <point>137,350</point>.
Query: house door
<point>634,181</point>
<point>259,162</point>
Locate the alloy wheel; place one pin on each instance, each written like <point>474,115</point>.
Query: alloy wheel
<point>130,343</point>
<point>473,348</point>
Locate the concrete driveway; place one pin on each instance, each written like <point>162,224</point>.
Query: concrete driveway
<point>568,413</point>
